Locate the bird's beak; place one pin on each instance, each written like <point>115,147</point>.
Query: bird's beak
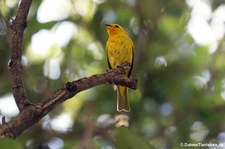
<point>108,25</point>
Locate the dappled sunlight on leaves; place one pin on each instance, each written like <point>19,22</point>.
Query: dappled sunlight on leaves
<point>105,120</point>
<point>206,26</point>
<point>85,8</point>
<point>160,61</point>
<point>51,69</point>
<point>199,131</point>
<point>59,10</point>
<point>56,143</point>
<point>5,100</point>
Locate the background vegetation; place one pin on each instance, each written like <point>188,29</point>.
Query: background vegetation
<point>179,63</point>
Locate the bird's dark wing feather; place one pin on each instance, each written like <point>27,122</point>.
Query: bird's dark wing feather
<point>110,67</point>
<point>132,63</point>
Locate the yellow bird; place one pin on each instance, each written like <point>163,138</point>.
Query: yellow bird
<point>119,49</point>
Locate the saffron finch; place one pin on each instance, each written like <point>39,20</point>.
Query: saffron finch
<point>119,49</point>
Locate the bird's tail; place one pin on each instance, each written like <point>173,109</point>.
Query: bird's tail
<point>122,99</point>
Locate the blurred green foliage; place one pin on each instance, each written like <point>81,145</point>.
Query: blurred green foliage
<point>181,92</point>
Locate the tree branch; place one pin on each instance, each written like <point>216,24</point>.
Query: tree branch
<point>18,26</point>
<point>33,113</point>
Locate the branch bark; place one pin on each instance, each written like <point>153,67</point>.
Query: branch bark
<point>30,113</point>
<point>33,113</point>
<point>17,27</point>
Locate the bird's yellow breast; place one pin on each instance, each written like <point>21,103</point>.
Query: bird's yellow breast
<point>119,50</point>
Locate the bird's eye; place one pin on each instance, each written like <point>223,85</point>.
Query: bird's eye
<point>117,26</point>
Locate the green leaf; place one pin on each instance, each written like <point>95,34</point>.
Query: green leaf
<point>10,144</point>
<point>125,139</point>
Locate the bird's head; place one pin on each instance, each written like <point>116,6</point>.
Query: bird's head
<point>114,29</point>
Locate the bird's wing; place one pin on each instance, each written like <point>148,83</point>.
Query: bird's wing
<point>132,62</point>
<point>110,67</point>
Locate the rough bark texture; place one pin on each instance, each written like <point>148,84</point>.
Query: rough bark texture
<point>30,113</point>
<point>17,28</point>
